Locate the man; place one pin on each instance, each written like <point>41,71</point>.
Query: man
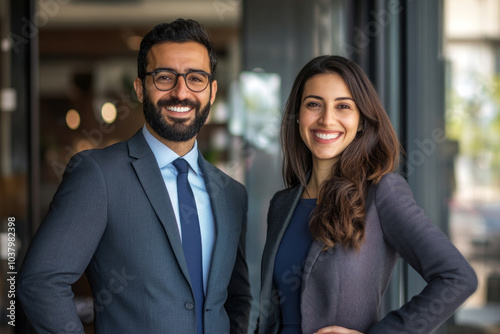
<point>154,263</point>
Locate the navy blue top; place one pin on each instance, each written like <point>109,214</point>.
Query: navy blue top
<point>289,264</point>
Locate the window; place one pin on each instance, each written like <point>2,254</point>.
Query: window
<point>471,46</point>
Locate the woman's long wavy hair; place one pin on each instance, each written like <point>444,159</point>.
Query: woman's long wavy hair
<point>340,212</point>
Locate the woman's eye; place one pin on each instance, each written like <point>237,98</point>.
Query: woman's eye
<point>312,105</point>
<point>344,106</point>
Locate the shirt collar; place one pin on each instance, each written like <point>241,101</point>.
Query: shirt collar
<point>164,155</point>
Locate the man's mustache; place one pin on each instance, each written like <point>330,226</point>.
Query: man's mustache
<point>176,102</point>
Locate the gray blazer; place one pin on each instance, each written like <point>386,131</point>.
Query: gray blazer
<point>112,218</point>
<point>344,287</point>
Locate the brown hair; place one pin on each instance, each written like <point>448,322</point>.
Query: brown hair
<point>340,212</point>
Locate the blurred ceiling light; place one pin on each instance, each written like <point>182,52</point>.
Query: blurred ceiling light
<point>72,119</point>
<point>108,112</point>
<point>6,44</point>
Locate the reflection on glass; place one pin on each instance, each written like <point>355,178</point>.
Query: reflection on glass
<point>473,123</point>
<point>260,94</point>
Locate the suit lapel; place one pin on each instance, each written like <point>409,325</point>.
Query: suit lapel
<point>152,182</point>
<point>283,211</point>
<point>279,217</point>
<point>222,220</point>
<point>312,255</point>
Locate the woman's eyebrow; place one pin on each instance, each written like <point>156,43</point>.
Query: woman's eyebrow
<point>312,97</point>
<point>344,98</point>
<point>320,98</point>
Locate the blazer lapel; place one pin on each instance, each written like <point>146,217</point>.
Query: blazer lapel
<point>283,212</point>
<point>279,217</point>
<point>222,220</point>
<point>312,255</point>
<point>285,209</point>
<point>152,182</point>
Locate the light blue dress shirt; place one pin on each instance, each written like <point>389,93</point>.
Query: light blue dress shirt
<point>165,156</point>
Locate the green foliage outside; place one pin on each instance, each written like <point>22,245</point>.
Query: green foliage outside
<point>474,122</point>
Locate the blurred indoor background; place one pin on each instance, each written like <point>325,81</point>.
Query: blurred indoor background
<point>66,84</point>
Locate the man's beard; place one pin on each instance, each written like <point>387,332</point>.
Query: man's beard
<point>178,131</point>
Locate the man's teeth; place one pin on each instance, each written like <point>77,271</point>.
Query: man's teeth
<point>179,109</point>
<point>327,135</point>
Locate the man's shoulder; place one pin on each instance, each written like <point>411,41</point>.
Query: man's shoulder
<point>107,153</point>
<point>112,156</point>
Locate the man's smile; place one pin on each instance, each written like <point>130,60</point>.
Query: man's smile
<point>178,109</point>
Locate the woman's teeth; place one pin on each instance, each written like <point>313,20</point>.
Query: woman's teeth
<point>327,135</point>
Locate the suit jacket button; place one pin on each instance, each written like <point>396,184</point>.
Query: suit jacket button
<point>189,306</point>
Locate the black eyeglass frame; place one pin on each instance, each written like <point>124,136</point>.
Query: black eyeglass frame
<point>153,73</point>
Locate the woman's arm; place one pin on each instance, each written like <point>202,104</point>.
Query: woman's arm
<point>450,279</point>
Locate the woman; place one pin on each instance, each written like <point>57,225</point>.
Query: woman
<point>335,233</point>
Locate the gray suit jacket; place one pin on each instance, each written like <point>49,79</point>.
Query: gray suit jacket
<point>112,218</point>
<point>344,287</point>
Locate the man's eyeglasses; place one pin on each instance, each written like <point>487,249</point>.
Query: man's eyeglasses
<point>196,81</point>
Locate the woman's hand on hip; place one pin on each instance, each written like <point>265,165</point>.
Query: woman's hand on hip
<point>336,330</point>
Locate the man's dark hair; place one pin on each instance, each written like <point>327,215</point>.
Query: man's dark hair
<point>178,31</point>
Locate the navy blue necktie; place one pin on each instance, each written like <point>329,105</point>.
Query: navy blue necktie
<point>191,237</point>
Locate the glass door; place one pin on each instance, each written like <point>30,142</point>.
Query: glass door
<point>471,46</point>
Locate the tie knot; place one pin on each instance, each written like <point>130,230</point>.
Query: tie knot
<point>181,165</point>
